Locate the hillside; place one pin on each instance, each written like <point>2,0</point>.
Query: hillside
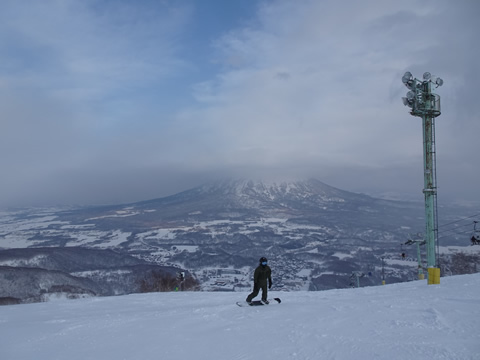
<point>315,235</point>
<point>38,274</point>
<point>396,322</point>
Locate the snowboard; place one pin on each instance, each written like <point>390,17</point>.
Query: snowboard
<point>258,302</point>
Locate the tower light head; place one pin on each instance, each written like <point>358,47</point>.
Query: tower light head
<point>407,77</point>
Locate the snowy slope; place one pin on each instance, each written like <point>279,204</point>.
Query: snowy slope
<point>399,321</point>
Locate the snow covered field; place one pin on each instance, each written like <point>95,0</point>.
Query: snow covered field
<point>401,321</point>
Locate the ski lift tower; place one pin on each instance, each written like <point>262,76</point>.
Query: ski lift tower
<point>425,104</point>
<point>419,243</point>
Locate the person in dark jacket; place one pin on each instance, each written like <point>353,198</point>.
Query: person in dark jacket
<point>262,275</point>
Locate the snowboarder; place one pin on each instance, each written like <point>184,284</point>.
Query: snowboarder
<point>263,273</point>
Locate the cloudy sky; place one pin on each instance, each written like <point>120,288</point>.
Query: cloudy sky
<point>112,101</point>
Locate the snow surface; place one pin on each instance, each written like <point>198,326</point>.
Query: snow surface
<point>400,321</point>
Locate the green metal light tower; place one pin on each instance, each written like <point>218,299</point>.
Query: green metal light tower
<point>425,104</point>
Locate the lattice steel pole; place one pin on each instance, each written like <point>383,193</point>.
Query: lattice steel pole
<point>425,104</point>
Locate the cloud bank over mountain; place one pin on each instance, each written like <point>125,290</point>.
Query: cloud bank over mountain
<point>109,102</point>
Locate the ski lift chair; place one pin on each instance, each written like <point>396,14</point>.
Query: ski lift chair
<point>475,239</point>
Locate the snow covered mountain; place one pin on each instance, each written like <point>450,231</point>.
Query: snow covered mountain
<point>401,321</point>
<point>243,199</point>
<point>316,236</point>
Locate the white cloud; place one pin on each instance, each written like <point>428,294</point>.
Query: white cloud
<point>318,83</point>
<point>93,88</point>
<point>88,49</point>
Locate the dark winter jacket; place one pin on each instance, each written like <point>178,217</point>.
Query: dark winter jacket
<point>262,274</point>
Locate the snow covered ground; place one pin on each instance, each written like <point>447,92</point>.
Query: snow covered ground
<point>400,321</point>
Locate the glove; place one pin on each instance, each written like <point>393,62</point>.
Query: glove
<point>270,285</point>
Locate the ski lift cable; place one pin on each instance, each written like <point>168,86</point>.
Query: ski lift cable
<point>459,233</point>
<point>455,229</point>
<point>444,234</point>
<point>456,222</point>
<point>459,230</point>
<point>449,233</point>
<point>453,222</point>
<point>458,226</point>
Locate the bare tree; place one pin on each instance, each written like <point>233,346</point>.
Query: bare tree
<point>158,281</point>
<point>460,263</point>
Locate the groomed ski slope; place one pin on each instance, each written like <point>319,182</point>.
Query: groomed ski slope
<point>401,321</point>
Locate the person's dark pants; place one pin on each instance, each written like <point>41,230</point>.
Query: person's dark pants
<point>256,290</point>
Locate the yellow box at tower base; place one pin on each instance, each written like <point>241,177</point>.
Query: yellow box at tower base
<point>433,276</point>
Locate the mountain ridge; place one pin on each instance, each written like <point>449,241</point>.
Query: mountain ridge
<point>246,198</point>
<point>316,235</point>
